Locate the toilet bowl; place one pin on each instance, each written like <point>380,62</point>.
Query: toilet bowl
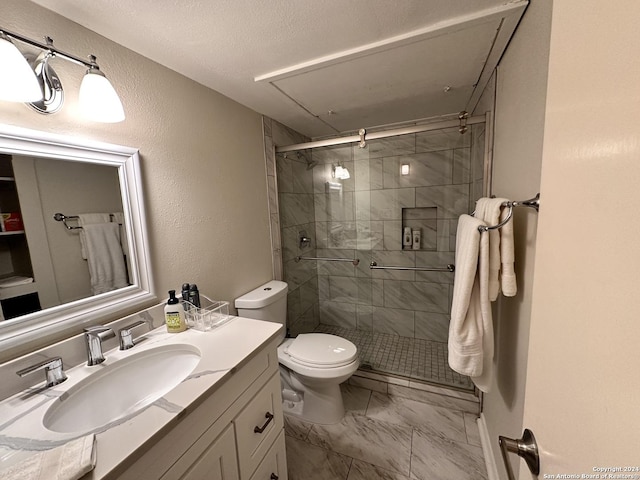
<point>312,365</point>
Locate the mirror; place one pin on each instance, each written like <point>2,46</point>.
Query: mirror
<point>48,269</point>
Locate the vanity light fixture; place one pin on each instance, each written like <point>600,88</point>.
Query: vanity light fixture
<point>34,81</point>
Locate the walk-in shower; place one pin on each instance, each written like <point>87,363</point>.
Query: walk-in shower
<point>420,181</point>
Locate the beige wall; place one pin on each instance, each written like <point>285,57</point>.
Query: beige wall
<point>517,156</point>
<point>202,158</point>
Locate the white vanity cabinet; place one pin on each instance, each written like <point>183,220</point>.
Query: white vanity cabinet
<point>237,432</point>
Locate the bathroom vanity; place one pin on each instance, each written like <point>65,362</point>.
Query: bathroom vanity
<point>224,420</point>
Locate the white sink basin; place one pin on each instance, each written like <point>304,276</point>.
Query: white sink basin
<point>121,389</point>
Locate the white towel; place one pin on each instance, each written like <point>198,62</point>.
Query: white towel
<point>67,462</point>
<point>488,210</point>
<point>118,217</point>
<point>508,282</point>
<point>471,328</point>
<point>88,219</point>
<point>104,256</point>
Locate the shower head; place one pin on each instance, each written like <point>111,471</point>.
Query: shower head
<point>302,157</point>
<point>310,163</point>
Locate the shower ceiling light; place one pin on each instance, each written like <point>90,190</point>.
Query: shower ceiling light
<point>40,87</point>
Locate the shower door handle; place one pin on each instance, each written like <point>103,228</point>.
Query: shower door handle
<point>526,447</point>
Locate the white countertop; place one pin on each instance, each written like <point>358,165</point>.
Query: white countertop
<point>231,345</point>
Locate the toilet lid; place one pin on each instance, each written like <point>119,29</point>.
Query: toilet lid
<point>322,349</point>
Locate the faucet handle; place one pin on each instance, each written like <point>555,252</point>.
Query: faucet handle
<point>53,371</point>
<point>124,334</point>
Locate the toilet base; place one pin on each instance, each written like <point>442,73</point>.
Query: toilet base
<point>321,405</point>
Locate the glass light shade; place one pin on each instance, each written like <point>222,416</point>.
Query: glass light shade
<point>342,173</point>
<point>98,99</point>
<point>18,81</point>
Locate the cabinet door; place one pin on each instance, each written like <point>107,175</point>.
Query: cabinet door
<point>258,425</point>
<point>274,465</point>
<point>217,462</point>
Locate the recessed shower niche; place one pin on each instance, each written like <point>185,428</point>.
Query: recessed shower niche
<point>423,219</point>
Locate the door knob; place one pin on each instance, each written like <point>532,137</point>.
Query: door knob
<point>526,447</point>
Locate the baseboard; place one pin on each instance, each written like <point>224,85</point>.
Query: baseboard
<point>487,449</point>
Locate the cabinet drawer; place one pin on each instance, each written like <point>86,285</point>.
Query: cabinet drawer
<point>274,464</point>
<point>258,425</point>
<point>217,461</point>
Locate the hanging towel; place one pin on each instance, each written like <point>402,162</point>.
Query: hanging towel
<point>488,210</point>
<point>104,256</point>
<point>67,462</point>
<point>88,219</point>
<point>508,282</point>
<point>471,328</point>
<point>118,217</point>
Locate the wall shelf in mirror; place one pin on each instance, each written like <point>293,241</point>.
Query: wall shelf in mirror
<point>35,182</point>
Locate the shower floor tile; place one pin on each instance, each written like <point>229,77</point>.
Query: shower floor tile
<point>415,358</point>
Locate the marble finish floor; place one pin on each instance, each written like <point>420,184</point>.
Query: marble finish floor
<point>386,437</point>
<point>415,358</point>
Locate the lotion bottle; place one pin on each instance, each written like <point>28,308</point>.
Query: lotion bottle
<point>416,239</point>
<point>174,314</point>
<point>406,238</point>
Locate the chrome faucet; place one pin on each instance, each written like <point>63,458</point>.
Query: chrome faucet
<point>125,337</point>
<point>94,337</point>
<point>53,371</point>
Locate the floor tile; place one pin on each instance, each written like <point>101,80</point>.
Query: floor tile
<point>436,458</point>
<point>294,427</point>
<point>435,399</point>
<point>355,399</point>
<point>366,471</point>
<point>379,443</point>
<point>471,427</point>
<point>428,418</point>
<point>307,462</point>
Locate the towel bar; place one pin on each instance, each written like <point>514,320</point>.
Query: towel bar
<point>449,268</point>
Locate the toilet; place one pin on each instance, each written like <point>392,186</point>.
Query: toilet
<point>312,365</point>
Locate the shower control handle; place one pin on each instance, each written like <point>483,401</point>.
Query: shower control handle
<point>525,447</point>
<point>269,417</point>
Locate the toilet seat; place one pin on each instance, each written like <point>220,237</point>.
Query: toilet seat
<point>321,350</point>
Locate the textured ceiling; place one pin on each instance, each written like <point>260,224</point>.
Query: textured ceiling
<point>370,62</point>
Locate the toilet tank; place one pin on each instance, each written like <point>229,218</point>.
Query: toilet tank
<point>267,302</point>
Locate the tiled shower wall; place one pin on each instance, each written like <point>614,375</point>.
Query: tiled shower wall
<point>291,210</point>
<point>363,217</point>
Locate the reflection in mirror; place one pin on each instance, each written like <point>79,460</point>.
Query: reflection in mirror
<point>55,274</point>
<point>34,245</point>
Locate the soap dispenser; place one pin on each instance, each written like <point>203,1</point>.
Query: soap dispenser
<point>174,314</point>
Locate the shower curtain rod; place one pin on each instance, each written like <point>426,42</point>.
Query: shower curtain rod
<point>380,134</point>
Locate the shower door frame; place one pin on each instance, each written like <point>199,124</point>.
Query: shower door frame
<point>278,267</point>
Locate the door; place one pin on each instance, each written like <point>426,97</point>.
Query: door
<point>583,381</point>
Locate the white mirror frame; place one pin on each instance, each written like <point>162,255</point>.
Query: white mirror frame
<point>27,328</point>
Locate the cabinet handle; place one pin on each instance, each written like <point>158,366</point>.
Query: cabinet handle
<point>269,417</point>
<point>273,477</point>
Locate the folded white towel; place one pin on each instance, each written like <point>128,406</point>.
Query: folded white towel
<point>88,219</point>
<point>67,462</point>
<point>118,217</point>
<point>104,257</point>
<point>508,282</point>
<point>488,210</point>
<point>471,310</point>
